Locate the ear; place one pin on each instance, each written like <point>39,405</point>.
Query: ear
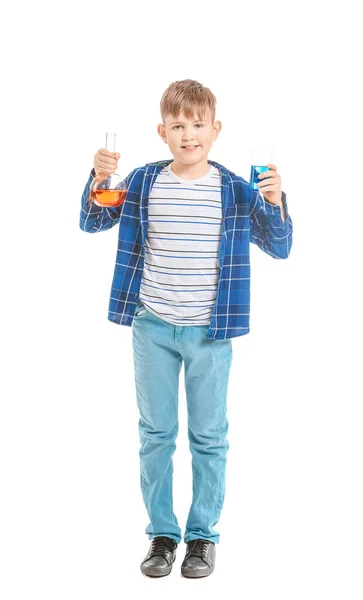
<point>217,125</point>
<point>161,132</point>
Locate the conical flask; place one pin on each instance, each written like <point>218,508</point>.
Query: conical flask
<point>108,190</point>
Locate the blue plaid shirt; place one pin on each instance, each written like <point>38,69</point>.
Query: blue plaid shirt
<point>247,216</point>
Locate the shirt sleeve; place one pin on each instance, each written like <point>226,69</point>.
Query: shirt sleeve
<point>267,228</point>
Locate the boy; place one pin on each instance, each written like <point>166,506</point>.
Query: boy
<point>182,281</point>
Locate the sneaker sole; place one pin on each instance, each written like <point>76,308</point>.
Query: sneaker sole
<point>196,573</point>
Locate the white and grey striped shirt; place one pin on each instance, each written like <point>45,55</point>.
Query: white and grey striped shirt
<point>181,266</point>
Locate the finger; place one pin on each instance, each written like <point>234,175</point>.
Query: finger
<point>267,174</point>
<point>273,167</point>
<point>107,162</point>
<point>104,170</point>
<point>106,152</point>
<point>105,166</point>
<point>268,188</point>
<point>107,157</point>
<point>269,180</point>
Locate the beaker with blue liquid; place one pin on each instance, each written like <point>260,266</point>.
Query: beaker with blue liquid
<point>260,158</point>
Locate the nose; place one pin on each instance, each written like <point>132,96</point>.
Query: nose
<point>188,135</point>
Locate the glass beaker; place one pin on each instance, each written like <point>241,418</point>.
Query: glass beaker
<point>108,190</point>
<point>260,157</point>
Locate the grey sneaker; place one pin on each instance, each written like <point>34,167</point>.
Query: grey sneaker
<point>159,560</point>
<point>199,559</point>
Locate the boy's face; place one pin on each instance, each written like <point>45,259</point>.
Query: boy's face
<point>180,131</point>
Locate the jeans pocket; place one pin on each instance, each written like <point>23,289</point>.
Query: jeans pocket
<point>140,309</point>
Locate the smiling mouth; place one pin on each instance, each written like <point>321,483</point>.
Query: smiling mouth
<point>190,147</point>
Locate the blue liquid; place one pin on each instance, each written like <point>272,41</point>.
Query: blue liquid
<point>255,171</point>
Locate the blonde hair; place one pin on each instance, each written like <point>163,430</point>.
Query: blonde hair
<point>188,96</point>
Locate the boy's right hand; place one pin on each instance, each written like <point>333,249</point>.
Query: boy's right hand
<point>105,162</point>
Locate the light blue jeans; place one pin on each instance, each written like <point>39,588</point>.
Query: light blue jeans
<point>159,349</point>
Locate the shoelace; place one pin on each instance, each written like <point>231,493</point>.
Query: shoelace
<point>160,546</point>
<point>198,548</point>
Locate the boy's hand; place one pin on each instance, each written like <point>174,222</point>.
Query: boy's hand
<point>271,188</point>
<point>105,162</point>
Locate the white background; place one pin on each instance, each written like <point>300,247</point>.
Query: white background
<point>72,515</point>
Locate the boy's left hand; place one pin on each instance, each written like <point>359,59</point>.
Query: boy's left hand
<point>271,188</point>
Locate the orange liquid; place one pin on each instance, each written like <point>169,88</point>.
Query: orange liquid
<point>109,197</point>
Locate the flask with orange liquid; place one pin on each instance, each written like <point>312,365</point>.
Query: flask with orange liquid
<point>108,190</point>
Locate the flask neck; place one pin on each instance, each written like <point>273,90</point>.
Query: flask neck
<point>111,146</point>
<point>110,141</point>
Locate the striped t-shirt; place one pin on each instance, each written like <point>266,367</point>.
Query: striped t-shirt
<point>181,265</point>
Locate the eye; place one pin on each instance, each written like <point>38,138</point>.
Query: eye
<point>198,125</point>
